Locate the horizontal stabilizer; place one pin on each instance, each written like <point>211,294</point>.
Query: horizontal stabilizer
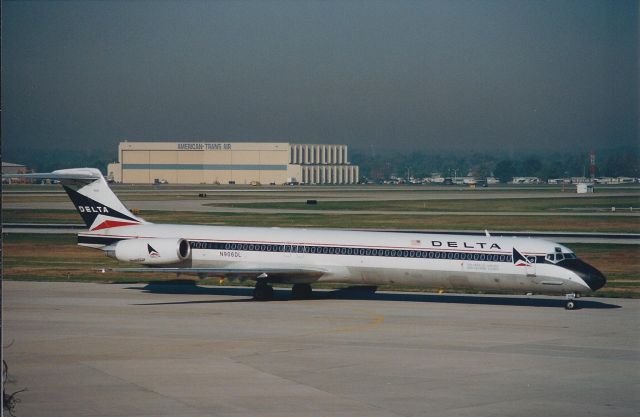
<point>81,174</point>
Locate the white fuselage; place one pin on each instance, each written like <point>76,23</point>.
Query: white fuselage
<point>371,258</point>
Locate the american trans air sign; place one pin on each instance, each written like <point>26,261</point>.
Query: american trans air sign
<point>204,146</point>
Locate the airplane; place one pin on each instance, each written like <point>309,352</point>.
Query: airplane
<point>302,257</point>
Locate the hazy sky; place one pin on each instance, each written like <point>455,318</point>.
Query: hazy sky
<point>425,75</point>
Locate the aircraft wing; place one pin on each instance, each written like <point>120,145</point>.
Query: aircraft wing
<point>271,274</point>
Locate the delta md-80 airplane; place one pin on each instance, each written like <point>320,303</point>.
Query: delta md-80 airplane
<point>302,256</point>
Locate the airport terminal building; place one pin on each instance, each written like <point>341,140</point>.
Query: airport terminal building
<point>231,163</point>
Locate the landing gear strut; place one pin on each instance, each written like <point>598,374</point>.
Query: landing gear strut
<point>263,292</point>
<point>571,302</point>
<point>301,291</point>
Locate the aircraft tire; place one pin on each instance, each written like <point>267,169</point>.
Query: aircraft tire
<point>301,291</point>
<point>263,292</point>
<point>570,305</point>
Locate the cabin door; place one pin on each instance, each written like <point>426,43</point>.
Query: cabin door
<point>531,267</point>
<point>288,249</point>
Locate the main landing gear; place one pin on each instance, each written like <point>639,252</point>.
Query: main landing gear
<point>301,291</point>
<point>263,292</point>
<point>571,301</point>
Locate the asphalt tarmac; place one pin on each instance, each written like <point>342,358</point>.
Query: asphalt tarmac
<point>167,350</point>
<point>203,206</point>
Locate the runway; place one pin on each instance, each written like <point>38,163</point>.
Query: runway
<point>166,350</point>
<point>204,206</point>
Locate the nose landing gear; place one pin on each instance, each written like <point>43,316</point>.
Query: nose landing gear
<point>571,301</point>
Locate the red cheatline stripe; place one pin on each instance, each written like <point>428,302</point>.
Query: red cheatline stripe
<point>112,223</point>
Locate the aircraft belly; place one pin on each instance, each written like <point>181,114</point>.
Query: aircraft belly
<point>447,279</point>
<point>433,274</point>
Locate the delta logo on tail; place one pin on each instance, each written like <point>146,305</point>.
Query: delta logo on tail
<point>152,252</point>
<point>519,259</point>
<point>96,215</point>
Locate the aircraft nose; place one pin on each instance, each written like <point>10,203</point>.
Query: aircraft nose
<point>590,275</point>
<point>594,279</point>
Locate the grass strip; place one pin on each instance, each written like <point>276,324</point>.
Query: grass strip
<point>356,221</point>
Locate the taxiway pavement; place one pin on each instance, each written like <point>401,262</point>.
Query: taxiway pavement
<point>166,350</point>
<point>204,206</point>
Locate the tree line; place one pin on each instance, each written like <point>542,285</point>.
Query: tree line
<point>421,164</point>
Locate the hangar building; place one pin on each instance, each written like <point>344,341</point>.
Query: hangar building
<point>231,162</point>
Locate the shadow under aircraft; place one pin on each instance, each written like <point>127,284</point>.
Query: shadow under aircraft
<point>188,287</point>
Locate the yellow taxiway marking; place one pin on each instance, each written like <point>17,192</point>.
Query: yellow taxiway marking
<point>374,321</point>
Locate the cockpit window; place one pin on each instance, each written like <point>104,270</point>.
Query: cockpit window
<point>558,256</point>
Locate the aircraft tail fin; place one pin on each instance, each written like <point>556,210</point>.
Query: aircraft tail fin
<point>98,206</point>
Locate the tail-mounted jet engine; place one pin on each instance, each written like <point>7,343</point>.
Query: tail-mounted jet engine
<point>157,251</point>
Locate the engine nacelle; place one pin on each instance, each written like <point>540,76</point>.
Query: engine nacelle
<point>152,251</point>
